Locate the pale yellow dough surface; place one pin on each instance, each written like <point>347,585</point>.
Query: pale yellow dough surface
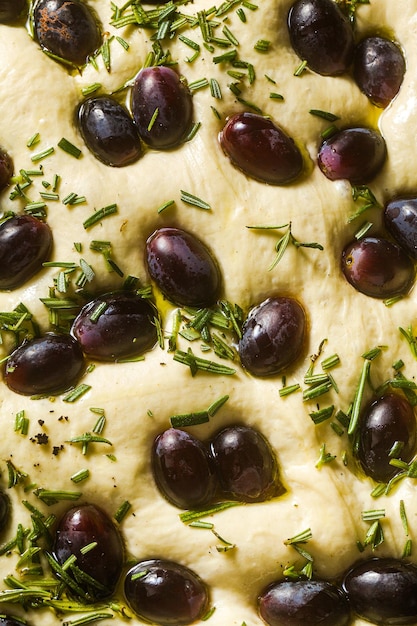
<point>39,95</point>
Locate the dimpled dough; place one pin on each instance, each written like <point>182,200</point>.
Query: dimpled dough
<point>40,95</point>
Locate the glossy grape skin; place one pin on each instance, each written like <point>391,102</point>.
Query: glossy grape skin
<point>260,149</point>
<point>321,35</point>
<point>400,216</point>
<point>25,244</point>
<point>183,268</point>
<point>354,154</point>
<point>10,10</point>
<point>109,132</point>
<point>302,603</point>
<point>377,267</point>
<point>124,329</point>
<point>378,69</point>
<point>182,469</point>
<point>68,29</point>
<point>383,591</point>
<point>168,594</point>
<point>385,421</point>
<point>79,527</point>
<point>45,365</point>
<point>245,464</point>
<point>160,88</point>
<point>4,509</point>
<point>272,336</point>
<point>6,168</point>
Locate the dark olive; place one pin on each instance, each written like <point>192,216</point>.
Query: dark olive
<point>304,603</point>
<point>183,268</point>
<point>82,526</point>
<point>378,69</point>
<point>109,132</point>
<point>10,10</point>
<point>6,168</point>
<point>261,149</point>
<point>4,509</point>
<point>182,469</point>
<point>321,35</point>
<point>272,336</point>
<point>401,220</point>
<point>387,421</point>
<point>162,107</point>
<point>377,267</point>
<point>45,365</point>
<point>116,326</point>
<point>165,593</point>
<point>25,244</point>
<point>354,154</point>
<point>68,29</point>
<point>383,591</point>
<point>245,464</point>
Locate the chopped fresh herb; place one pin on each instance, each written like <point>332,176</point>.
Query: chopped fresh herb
<point>196,364</point>
<point>191,516</point>
<point>80,476</point>
<point>325,457</point>
<point>329,117</point>
<point>122,511</point>
<point>42,155</point>
<point>189,198</point>
<point>69,147</point>
<point>76,393</point>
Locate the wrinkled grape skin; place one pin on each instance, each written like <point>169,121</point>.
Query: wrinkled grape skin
<point>260,149</point>
<point>302,603</point>
<point>25,244</point>
<point>385,421</point>
<point>378,69</point>
<point>160,88</point>
<point>68,29</point>
<point>245,464</point>
<point>6,168</point>
<point>272,336</point>
<point>377,267</point>
<point>321,35</point>
<point>109,132</point>
<point>124,329</point>
<point>400,216</point>
<point>169,594</point>
<point>45,365</point>
<point>79,527</point>
<point>353,154</point>
<point>183,268</point>
<point>10,10</point>
<point>383,591</point>
<point>182,469</point>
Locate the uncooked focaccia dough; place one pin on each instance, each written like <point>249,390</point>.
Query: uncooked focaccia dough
<point>40,96</point>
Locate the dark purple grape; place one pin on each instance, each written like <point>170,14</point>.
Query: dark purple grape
<point>165,593</point>
<point>82,526</point>
<point>109,132</point>
<point>379,69</point>
<point>5,620</point>
<point>6,168</point>
<point>25,244</point>
<point>386,421</point>
<point>245,464</point>
<point>401,220</point>
<point>272,336</point>
<point>304,603</point>
<point>383,591</point>
<point>260,149</point>
<point>321,35</point>
<point>45,365</point>
<point>4,511</point>
<point>377,267</point>
<point>67,29</point>
<point>182,469</point>
<point>117,325</point>
<point>10,10</point>
<point>354,154</point>
<point>183,268</point>
<point>162,107</point>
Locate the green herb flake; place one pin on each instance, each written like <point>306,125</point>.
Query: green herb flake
<point>42,155</point>
<point>76,393</point>
<point>99,215</point>
<point>69,148</point>
<point>193,200</point>
<point>80,476</point>
<point>122,511</point>
<point>325,115</point>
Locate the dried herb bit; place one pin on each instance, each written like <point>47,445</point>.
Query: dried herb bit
<point>285,240</point>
